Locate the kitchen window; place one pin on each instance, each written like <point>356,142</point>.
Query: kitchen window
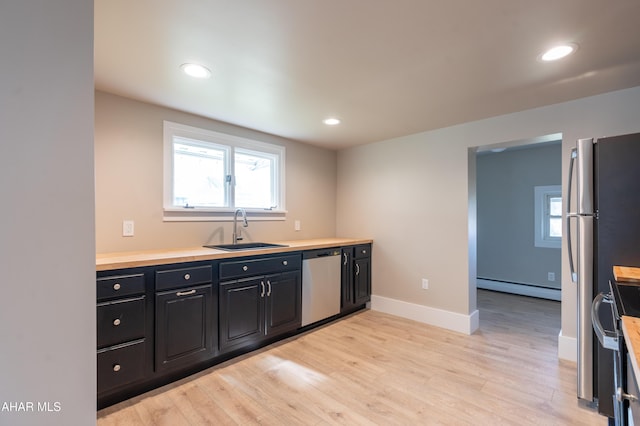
<point>208,175</point>
<point>548,216</point>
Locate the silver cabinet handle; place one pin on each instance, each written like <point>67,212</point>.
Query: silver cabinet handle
<point>245,268</point>
<point>285,263</point>
<point>357,269</point>
<point>185,293</point>
<point>187,276</point>
<point>116,367</point>
<point>262,285</point>
<point>116,286</point>
<point>116,322</point>
<point>364,252</point>
<point>268,288</point>
<point>345,258</point>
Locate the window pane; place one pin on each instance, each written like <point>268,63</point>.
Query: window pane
<point>254,173</point>
<point>555,227</point>
<point>555,206</point>
<point>198,175</point>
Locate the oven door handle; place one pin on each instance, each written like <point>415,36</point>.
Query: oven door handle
<point>607,338</point>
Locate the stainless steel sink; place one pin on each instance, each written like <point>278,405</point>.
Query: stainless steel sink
<point>244,246</point>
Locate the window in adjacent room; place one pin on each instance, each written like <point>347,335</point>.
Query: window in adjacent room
<point>209,174</point>
<point>548,216</point>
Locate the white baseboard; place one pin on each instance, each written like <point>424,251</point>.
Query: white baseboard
<point>522,289</point>
<point>567,348</point>
<point>461,323</point>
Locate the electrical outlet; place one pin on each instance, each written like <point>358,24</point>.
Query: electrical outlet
<point>127,228</point>
<point>425,284</point>
<point>296,225</point>
<point>551,276</point>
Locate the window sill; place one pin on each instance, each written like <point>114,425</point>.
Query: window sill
<point>219,215</point>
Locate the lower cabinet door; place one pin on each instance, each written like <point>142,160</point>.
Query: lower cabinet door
<point>120,365</point>
<point>241,312</point>
<point>362,280</point>
<point>284,301</point>
<point>346,283</point>
<point>184,327</point>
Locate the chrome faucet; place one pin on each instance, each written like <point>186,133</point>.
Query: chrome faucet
<point>237,236</point>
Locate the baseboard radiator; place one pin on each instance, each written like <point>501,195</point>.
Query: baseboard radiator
<point>518,288</point>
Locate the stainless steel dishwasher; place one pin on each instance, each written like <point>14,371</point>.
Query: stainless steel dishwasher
<point>320,284</point>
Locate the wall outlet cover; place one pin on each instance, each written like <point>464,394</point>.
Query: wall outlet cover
<point>127,228</point>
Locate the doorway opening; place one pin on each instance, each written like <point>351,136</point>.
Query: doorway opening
<point>519,217</point>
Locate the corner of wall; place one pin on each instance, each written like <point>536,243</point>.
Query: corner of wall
<point>567,347</point>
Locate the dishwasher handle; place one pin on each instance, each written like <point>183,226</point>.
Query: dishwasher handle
<point>314,254</point>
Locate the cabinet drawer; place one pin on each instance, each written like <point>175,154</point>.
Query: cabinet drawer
<point>120,365</point>
<point>184,277</point>
<point>259,266</point>
<point>363,250</point>
<point>119,286</point>
<point>120,321</point>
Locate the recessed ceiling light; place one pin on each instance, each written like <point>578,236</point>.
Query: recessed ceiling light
<point>558,52</point>
<point>331,121</point>
<point>195,70</point>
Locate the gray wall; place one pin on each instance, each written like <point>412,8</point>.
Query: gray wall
<point>415,197</point>
<point>47,250</point>
<point>505,202</point>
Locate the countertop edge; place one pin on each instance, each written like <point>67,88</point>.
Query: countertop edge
<point>631,332</point>
<point>141,258</point>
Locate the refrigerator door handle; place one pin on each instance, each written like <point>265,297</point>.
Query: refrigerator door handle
<point>572,269</point>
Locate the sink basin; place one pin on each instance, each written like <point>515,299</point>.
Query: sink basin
<point>244,246</point>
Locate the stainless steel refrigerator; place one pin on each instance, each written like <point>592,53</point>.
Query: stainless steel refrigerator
<point>603,229</point>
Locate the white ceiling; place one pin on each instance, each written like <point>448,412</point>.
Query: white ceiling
<point>387,68</point>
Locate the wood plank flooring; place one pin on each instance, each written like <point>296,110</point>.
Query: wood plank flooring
<point>377,369</point>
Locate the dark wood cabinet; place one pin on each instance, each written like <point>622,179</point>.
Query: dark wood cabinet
<point>356,277</point>
<point>185,325</point>
<point>253,308</point>
<point>241,312</point>
<point>362,280</point>
<point>121,331</point>
<point>159,323</point>
<point>283,302</point>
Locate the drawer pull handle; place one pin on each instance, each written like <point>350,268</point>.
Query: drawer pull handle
<point>185,293</point>
<point>187,276</point>
<point>245,268</point>
<point>364,252</point>
<point>285,263</point>
<point>116,367</point>
<point>116,322</point>
<point>116,286</point>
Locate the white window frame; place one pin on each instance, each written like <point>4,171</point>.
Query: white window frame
<point>172,213</point>
<point>541,228</point>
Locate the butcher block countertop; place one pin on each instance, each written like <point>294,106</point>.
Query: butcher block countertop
<point>626,274</point>
<point>630,325</point>
<point>631,331</point>
<point>132,259</point>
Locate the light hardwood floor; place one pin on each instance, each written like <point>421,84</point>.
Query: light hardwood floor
<point>377,369</point>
